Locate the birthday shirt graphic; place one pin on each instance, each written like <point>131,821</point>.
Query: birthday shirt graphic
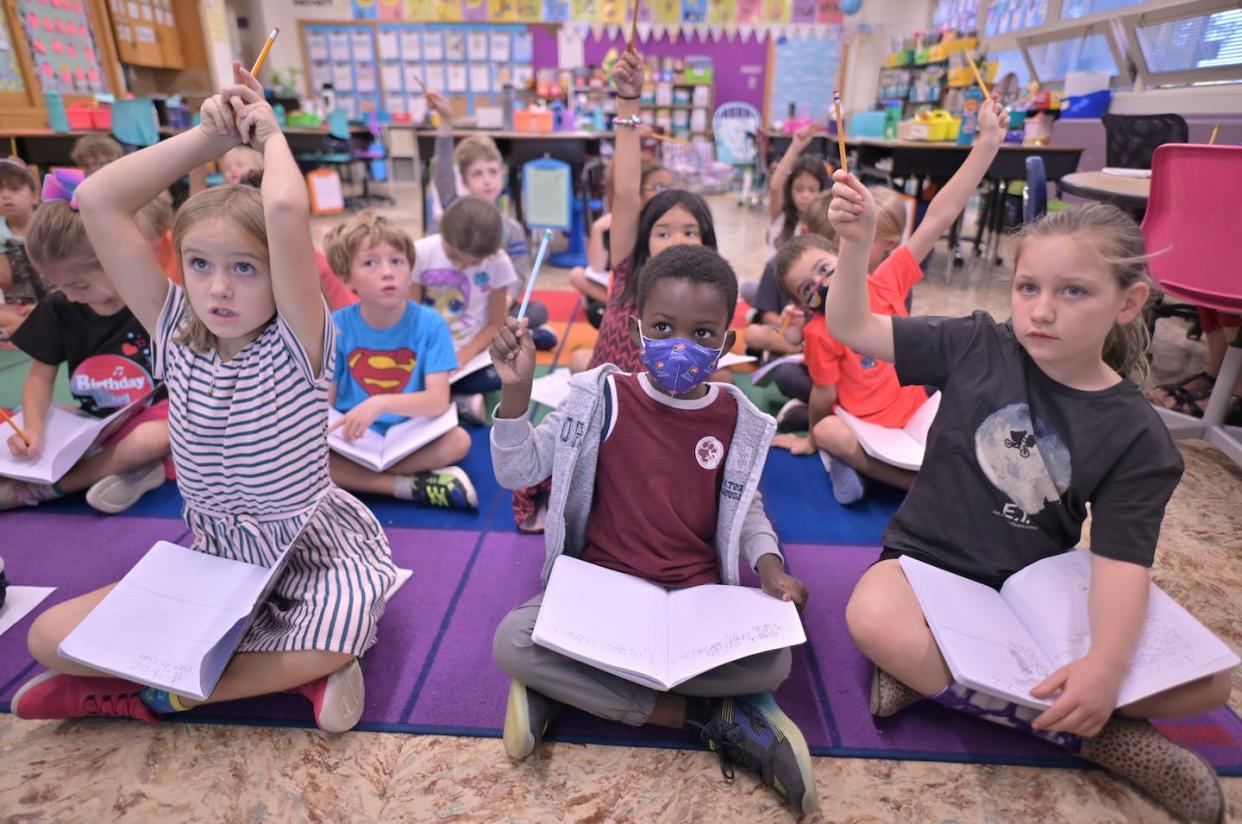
<point>105,383</point>
<point>382,372</point>
<point>1023,459</point>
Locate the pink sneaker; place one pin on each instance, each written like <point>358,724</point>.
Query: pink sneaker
<point>338,698</point>
<point>51,695</point>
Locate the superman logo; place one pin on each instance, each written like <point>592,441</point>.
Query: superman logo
<point>382,372</point>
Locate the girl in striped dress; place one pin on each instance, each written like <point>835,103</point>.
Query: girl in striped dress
<point>245,349</point>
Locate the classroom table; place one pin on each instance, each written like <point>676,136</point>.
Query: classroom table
<point>44,147</point>
<point>520,147</point>
<point>1127,192</point>
<point>924,159</point>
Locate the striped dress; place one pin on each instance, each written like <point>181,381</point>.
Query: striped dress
<point>250,447</point>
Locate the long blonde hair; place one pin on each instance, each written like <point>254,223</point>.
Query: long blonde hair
<point>235,202</point>
<point>890,214</point>
<point>1117,239</point>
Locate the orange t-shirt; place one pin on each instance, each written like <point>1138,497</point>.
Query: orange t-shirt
<point>866,387</point>
<point>166,256</point>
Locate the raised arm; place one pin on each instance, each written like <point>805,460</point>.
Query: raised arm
<point>110,198</point>
<point>286,212</point>
<point>951,200</point>
<point>442,159</point>
<point>776,182</point>
<point>848,310</point>
<point>627,196</point>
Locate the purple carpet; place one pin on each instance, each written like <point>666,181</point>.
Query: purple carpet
<point>432,672</point>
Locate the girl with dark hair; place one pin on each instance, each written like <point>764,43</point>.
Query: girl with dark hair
<point>796,181</point>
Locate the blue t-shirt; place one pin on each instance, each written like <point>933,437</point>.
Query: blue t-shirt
<point>373,361</point>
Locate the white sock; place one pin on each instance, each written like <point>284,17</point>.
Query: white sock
<point>403,487</point>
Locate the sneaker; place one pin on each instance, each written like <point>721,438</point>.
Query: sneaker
<point>543,338</point>
<point>19,493</point>
<point>794,416</point>
<point>449,488</point>
<point>1178,779</point>
<point>847,484</point>
<point>117,493</point>
<point>888,695</point>
<point>338,698</point>
<point>527,718</point>
<point>752,732</point>
<point>471,409</point>
<point>52,695</point>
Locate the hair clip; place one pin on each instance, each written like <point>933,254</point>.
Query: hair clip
<point>62,184</point>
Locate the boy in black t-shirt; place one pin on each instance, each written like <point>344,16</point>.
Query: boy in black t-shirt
<point>85,325</point>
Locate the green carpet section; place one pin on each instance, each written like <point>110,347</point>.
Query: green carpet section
<point>13,367</point>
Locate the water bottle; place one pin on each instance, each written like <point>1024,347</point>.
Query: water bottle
<point>971,101</point>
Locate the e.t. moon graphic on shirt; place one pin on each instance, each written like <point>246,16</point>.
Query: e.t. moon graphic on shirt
<point>1025,460</point>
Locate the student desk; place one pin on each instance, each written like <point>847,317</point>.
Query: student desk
<point>1129,193</point>
<point>520,147</point>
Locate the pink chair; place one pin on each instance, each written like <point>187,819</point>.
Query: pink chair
<point>1194,223</point>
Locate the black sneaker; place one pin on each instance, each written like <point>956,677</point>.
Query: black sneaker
<point>527,717</point>
<point>754,733</point>
<point>795,416</point>
<point>448,488</point>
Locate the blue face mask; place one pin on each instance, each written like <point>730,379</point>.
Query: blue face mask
<point>677,364</point>
<point>818,297</point>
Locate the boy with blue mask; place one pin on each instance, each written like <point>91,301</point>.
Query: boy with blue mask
<point>680,516</point>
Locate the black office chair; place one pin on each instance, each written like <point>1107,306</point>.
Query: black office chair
<point>1132,138</point>
<point>1035,194</point>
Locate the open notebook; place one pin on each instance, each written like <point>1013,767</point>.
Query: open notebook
<point>1004,643</point>
<point>175,619</point>
<point>382,451</point>
<point>647,634</point>
<point>68,435</point>
<point>553,387</point>
<point>763,375</point>
<point>900,447</point>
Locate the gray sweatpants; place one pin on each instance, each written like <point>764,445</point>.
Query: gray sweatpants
<point>607,696</point>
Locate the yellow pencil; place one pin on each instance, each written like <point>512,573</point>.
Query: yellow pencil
<point>983,87</point>
<point>634,27</point>
<point>267,47</point>
<point>421,87</point>
<point>670,139</point>
<point>836,109</point>
<point>16,428</point>
<point>13,145</point>
<point>1211,140</point>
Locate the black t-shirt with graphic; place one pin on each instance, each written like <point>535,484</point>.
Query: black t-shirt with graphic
<point>109,356</point>
<point>1013,457</point>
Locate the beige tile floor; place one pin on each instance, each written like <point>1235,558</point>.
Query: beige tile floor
<point>99,771</point>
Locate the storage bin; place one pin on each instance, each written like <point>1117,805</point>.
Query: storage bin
<point>532,120</point>
<point>1086,106</point>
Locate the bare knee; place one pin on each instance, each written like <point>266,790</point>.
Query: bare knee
<point>579,360</point>
<point>456,444</point>
<point>864,618</point>
<point>833,436</point>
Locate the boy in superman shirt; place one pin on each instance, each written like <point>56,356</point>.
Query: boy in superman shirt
<point>393,359</point>
<point>865,387</point>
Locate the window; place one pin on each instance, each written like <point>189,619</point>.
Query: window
<point>1072,9</point>
<point>1210,41</point>
<point>1011,61</point>
<point>962,15</point>
<point>1006,16</point>
<point>1053,60</point>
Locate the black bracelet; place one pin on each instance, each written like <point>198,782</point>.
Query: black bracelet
<point>623,97</point>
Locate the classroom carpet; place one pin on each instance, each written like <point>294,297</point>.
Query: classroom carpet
<point>431,671</point>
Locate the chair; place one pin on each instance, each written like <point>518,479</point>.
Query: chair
<point>1191,230</point>
<point>336,150</point>
<point>1132,138</point>
<point>375,160</point>
<point>1035,193</point>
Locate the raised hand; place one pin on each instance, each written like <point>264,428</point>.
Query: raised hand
<point>852,210</point>
<point>627,74</point>
<point>513,353</point>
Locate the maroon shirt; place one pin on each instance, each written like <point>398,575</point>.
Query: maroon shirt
<point>657,483</point>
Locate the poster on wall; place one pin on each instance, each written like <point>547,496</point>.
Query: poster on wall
<point>722,12</point>
<point>694,11</point>
<point>802,11</point>
<point>776,11</point>
<point>749,12</point>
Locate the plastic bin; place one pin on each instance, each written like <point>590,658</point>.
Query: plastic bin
<point>532,120</point>
<point>79,116</point>
<point>867,124</point>
<point>101,117</point>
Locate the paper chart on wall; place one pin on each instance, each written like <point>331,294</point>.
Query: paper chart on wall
<point>433,45</point>
<point>457,78</point>
<point>435,78</point>
<point>389,47</point>
<point>480,80</point>
<point>500,47</point>
<point>476,45</point>
<point>411,45</point>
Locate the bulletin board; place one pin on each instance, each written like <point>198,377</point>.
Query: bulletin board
<point>799,69</point>
<point>472,61</point>
<point>62,46</point>
<point>146,33</point>
<point>344,55</point>
<point>381,65</point>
